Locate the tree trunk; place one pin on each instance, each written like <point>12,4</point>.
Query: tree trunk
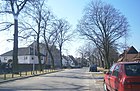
<point>39,56</point>
<point>107,57</point>
<point>52,60</point>
<point>61,56</point>
<point>51,55</point>
<point>15,46</point>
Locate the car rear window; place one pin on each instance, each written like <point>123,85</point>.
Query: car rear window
<point>132,69</point>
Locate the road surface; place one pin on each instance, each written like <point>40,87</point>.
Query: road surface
<point>68,80</point>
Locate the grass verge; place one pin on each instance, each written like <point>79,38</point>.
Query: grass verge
<point>10,76</point>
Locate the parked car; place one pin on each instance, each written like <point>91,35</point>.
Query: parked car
<point>93,68</point>
<point>123,76</point>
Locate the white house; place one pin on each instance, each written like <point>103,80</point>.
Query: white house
<point>65,61</point>
<point>69,61</point>
<point>25,56</point>
<point>72,61</point>
<point>28,55</point>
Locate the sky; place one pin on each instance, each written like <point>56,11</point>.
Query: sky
<point>72,11</point>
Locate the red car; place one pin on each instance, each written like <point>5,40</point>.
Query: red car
<point>123,76</point>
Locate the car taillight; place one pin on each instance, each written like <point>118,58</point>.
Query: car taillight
<point>127,84</point>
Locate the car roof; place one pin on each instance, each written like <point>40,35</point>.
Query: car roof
<point>135,62</point>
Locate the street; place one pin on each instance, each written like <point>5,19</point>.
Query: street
<point>68,80</point>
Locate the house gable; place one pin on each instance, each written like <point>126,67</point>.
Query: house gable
<point>129,55</point>
<point>132,50</point>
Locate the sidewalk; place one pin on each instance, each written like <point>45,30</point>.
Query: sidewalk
<point>25,76</point>
<point>97,81</point>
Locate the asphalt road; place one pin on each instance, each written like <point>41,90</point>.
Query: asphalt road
<point>68,80</point>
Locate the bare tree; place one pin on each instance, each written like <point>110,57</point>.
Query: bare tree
<point>114,55</point>
<point>64,34</point>
<point>14,7</point>
<point>50,36</point>
<point>50,46</point>
<point>35,13</point>
<point>85,52</point>
<point>103,25</point>
<point>91,53</point>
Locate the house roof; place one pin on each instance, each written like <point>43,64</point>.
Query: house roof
<point>30,50</point>
<point>120,59</point>
<point>73,59</point>
<point>65,57</point>
<point>131,50</point>
<point>21,52</point>
<point>129,55</point>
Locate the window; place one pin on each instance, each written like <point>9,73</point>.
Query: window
<point>5,58</point>
<point>31,50</point>
<point>132,69</point>
<point>116,71</point>
<point>25,58</point>
<point>41,58</point>
<point>112,68</point>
